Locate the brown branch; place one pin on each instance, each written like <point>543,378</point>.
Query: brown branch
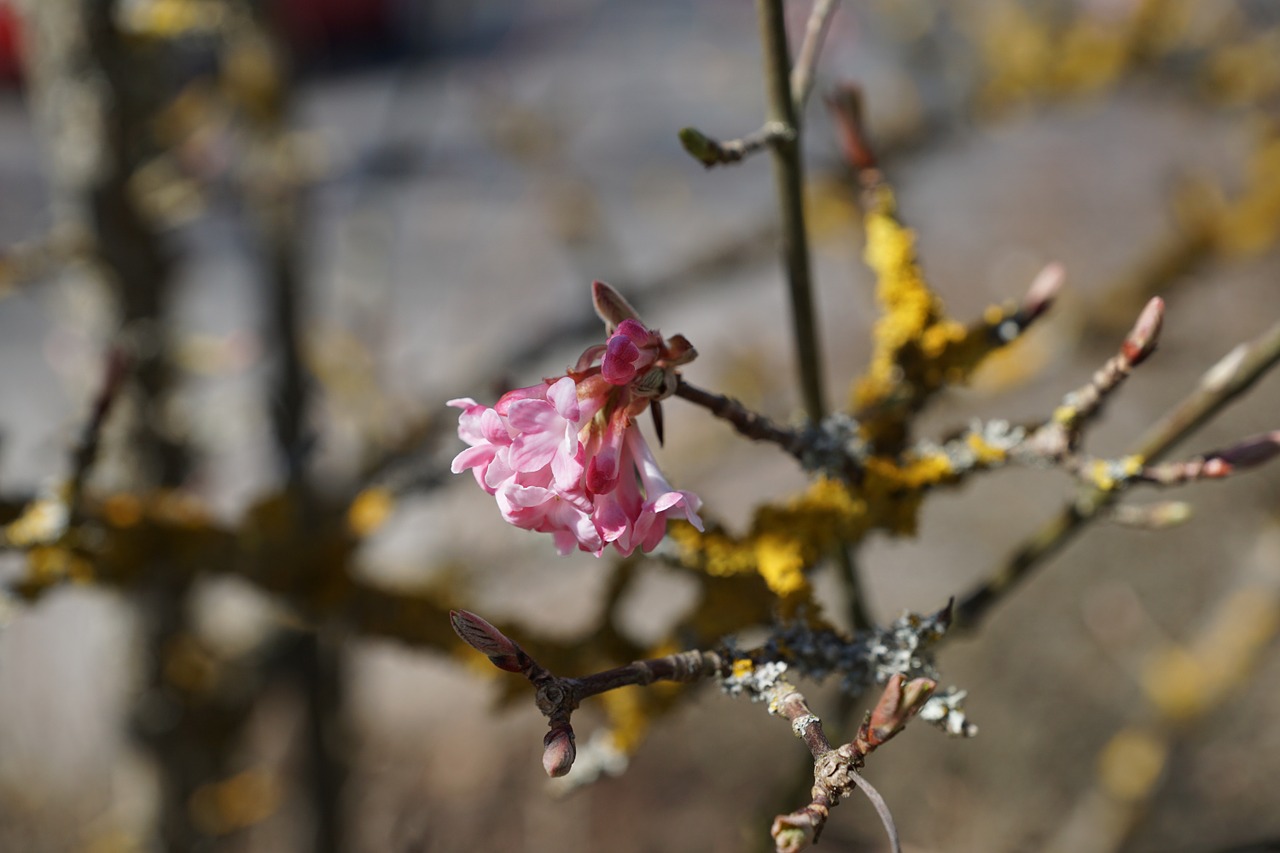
<point>748,423</point>
<point>835,771</point>
<point>557,698</point>
<point>1216,465</point>
<point>1223,383</point>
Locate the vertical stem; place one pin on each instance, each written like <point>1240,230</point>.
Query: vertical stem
<point>789,178</point>
<point>859,617</point>
<point>322,685</point>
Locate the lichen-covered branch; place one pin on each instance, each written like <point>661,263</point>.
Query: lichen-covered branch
<point>758,676</point>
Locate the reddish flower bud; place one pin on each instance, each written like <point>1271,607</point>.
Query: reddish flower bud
<point>1250,452</point>
<point>558,751</point>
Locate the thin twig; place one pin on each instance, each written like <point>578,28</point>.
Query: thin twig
<point>789,178</point>
<point>859,615</point>
<point>86,450</point>
<point>715,152</point>
<point>557,698</point>
<point>807,59</point>
<point>748,423</point>
<point>835,771</point>
<point>1223,383</point>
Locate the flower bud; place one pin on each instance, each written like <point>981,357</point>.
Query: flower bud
<point>558,751</point>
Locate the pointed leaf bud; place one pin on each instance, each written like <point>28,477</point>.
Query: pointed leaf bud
<point>610,306</point>
<point>1042,293</point>
<point>679,351</point>
<point>701,147</point>
<point>887,708</point>
<point>944,616</point>
<point>898,704</point>
<point>1141,341</point>
<point>915,694</point>
<point>488,640</point>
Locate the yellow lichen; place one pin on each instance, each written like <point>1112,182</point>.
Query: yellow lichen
<point>910,308</point>
<point>629,717</point>
<point>917,348</point>
<point>985,453</point>
<point>1251,223</point>
<point>786,540</point>
<point>781,563</point>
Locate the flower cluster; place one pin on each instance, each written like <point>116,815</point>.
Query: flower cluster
<point>566,456</point>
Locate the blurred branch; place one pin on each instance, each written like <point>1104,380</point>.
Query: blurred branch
<point>815,32</point>
<point>711,152</point>
<point>1185,686</point>
<point>86,450</point>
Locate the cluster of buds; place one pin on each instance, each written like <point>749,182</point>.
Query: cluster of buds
<point>567,457</point>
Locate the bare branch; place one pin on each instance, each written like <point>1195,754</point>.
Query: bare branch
<point>1061,435</point>
<point>86,450</point>
<point>712,152</point>
<point>835,771</point>
<point>1223,383</point>
<point>777,131</point>
<point>748,423</point>
<point>557,698</point>
<point>815,33</point>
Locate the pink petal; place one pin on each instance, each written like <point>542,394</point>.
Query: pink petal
<point>494,428</point>
<point>567,470</point>
<point>472,457</point>
<point>533,392</point>
<point>540,434</point>
<point>563,396</point>
<point>499,470</point>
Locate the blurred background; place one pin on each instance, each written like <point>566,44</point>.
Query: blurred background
<point>305,225</point>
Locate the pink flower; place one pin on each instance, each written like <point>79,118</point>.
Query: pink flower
<point>566,457</point>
